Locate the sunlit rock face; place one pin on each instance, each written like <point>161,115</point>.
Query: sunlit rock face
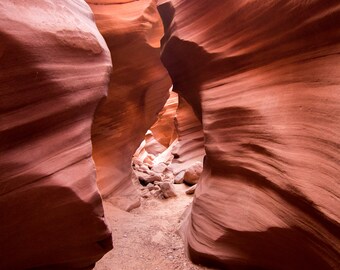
<point>138,90</point>
<point>263,77</point>
<point>54,69</point>
<point>164,130</point>
<point>190,146</point>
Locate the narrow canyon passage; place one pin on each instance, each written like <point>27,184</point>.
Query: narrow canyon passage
<point>146,238</point>
<point>169,134</point>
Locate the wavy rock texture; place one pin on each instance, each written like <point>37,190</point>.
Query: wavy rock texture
<point>51,212</point>
<point>164,130</point>
<point>264,78</point>
<point>190,147</point>
<point>138,90</point>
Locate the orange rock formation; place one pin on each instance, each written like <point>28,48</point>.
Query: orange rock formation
<point>138,90</point>
<point>51,216</point>
<point>263,78</point>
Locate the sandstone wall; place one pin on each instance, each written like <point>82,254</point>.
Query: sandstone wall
<point>54,69</point>
<point>138,90</point>
<point>190,146</point>
<point>263,78</point>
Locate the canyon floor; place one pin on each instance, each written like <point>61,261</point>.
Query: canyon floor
<point>146,238</point>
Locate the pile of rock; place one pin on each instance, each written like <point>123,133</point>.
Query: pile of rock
<point>155,174</point>
<point>157,180</point>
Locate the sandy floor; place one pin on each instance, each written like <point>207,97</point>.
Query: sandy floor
<point>146,238</point>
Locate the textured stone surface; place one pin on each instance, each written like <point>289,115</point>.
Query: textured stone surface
<point>138,89</point>
<point>164,130</point>
<point>51,216</point>
<point>193,173</point>
<point>167,189</point>
<point>263,77</point>
<point>190,146</point>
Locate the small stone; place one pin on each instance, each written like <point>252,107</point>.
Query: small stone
<point>149,186</point>
<point>146,194</point>
<point>191,190</point>
<point>145,179</point>
<point>149,159</point>
<point>159,168</point>
<point>137,162</point>
<point>143,168</point>
<point>179,178</point>
<point>155,193</point>
<point>167,189</point>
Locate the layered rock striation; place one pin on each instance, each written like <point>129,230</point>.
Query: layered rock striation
<point>51,212</point>
<point>263,79</point>
<point>190,146</point>
<point>138,90</point>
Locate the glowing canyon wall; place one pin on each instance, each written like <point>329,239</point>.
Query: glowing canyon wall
<point>263,78</point>
<point>138,90</point>
<point>54,69</point>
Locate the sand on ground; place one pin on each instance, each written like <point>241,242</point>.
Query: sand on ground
<point>146,238</point>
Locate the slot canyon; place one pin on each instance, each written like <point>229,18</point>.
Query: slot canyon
<point>170,134</point>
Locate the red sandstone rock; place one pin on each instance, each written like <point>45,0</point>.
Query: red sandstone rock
<point>138,90</point>
<point>152,146</point>
<point>190,147</point>
<point>54,69</point>
<point>191,190</point>
<point>263,76</point>
<point>164,130</point>
<point>193,173</point>
<point>167,189</point>
<point>179,178</point>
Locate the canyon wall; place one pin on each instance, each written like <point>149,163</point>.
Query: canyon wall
<point>263,78</point>
<point>164,130</point>
<point>138,90</point>
<point>51,212</point>
<point>190,146</point>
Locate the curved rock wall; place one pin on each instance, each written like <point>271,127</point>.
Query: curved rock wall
<point>263,76</point>
<point>164,130</point>
<point>138,90</point>
<point>51,212</point>
<point>190,146</point>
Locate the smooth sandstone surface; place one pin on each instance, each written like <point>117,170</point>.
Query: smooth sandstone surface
<point>164,130</point>
<point>190,146</point>
<point>54,69</point>
<point>263,77</point>
<point>138,90</point>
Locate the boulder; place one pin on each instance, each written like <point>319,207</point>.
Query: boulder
<point>159,168</point>
<point>193,173</point>
<point>145,178</point>
<point>179,178</point>
<point>167,189</point>
<point>191,190</point>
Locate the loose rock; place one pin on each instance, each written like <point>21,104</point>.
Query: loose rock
<point>179,178</point>
<point>193,173</point>
<point>159,168</point>
<point>191,190</point>
<point>167,190</point>
<point>145,178</point>
<point>150,187</point>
